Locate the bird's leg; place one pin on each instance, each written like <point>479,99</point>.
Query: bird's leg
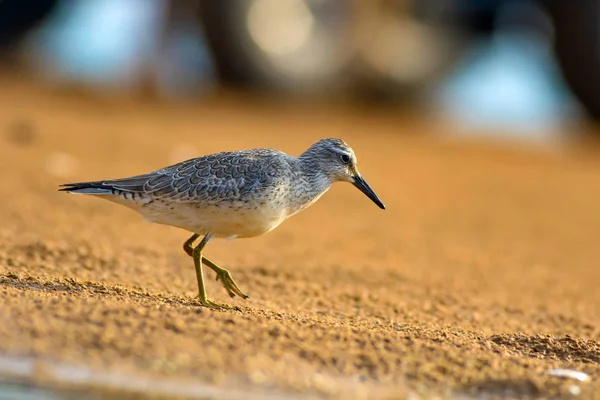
<point>197,256</point>
<point>228,283</point>
<point>188,245</point>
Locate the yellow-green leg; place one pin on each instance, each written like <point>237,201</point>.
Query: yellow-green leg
<point>197,256</point>
<point>228,283</point>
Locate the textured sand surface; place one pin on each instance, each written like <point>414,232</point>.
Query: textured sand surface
<point>480,276</point>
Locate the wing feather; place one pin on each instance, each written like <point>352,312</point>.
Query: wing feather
<point>223,176</point>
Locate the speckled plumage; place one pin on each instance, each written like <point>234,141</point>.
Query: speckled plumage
<point>233,194</point>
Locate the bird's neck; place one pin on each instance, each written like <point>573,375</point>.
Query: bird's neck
<point>313,177</point>
<point>311,183</point>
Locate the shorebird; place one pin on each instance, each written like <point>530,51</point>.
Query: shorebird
<point>238,194</point>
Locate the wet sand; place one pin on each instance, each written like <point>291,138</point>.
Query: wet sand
<point>481,275</point>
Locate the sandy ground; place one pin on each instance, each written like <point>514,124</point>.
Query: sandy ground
<point>480,276</point>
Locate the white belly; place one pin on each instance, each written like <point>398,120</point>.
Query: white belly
<point>225,222</point>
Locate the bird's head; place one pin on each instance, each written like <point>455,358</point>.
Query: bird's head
<point>336,160</point>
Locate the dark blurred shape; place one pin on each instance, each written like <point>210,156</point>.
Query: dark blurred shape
<point>404,47</point>
<point>20,132</point>
<point>184,68</point>
<point>18,17</point>
<point>577,48</point>
<point>288,45</point>
<point>478,16</point>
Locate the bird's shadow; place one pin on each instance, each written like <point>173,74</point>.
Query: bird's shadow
<point>76,287</point>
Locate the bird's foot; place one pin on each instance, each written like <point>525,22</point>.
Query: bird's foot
<point>204,302</point>
<point>229,284</point>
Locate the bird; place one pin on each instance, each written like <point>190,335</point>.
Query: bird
<point>232,194</point>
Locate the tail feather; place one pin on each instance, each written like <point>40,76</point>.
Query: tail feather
<point>134,184</point>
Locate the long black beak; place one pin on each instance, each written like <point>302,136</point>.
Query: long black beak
<point>364,187</point>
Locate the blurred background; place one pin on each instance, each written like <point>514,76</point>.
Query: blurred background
<point>525,67</point>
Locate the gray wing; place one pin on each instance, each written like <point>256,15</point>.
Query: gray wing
<point>227,176</point>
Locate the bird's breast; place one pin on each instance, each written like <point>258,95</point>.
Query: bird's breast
<point>244,221</point>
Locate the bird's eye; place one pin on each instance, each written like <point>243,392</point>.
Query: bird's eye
<point>345,158</point>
